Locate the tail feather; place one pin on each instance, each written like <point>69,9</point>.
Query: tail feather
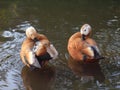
<point>43,58</point>
<point>96,53</point>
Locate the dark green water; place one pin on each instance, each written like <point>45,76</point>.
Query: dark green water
<point>58,20</point>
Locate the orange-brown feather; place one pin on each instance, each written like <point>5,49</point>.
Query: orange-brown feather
<point>26,47</point>
<point>77,47</point>
<point>74,46</point>
<point>45,43</point>
<point>28,44</point>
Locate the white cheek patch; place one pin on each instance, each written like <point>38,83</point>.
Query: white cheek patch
<point>85,30</point>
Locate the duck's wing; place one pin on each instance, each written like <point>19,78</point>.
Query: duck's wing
<point>52,51</point>
<point>31,59</point>
<point>39,49</point>
<point>88,52</point>
<point>92,52</point>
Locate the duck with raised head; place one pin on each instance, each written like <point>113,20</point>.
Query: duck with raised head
<point>83,48</point>
<point>36,49</point>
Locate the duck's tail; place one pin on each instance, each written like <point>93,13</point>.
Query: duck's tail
<point>96,53</point>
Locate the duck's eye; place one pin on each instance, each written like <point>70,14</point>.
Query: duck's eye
<point>85,30</point>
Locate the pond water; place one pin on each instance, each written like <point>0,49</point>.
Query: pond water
<point>58,20</point>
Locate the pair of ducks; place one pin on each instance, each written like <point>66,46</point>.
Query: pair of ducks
<point>37,50</point>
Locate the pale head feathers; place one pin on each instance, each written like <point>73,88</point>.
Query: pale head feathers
<point>31,32</point>
<point>85,29</point>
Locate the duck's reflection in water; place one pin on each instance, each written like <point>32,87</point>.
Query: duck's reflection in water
<point>87,71</point>
<point>38,79</point>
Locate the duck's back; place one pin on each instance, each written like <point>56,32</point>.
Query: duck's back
<point>74,45</point>
<point>27,45</point>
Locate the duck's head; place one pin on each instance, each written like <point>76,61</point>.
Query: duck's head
<point>31,33</point>
<point>85,31</point>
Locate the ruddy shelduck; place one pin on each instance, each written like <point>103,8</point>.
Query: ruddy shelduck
<point>36,49</point>
<point>83,48</point>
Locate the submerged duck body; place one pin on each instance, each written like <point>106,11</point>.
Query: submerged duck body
<point>36,49</point>
<point>83,48</point>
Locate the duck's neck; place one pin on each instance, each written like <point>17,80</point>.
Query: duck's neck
<point>84,37</point>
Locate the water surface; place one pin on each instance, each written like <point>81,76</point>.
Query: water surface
<point>58,20</point>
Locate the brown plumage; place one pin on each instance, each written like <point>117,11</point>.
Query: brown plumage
<point>83,48</point>
<point>36,49</point>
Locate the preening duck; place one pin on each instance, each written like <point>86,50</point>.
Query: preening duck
<point>83,48</point>
<point>36,49</point>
